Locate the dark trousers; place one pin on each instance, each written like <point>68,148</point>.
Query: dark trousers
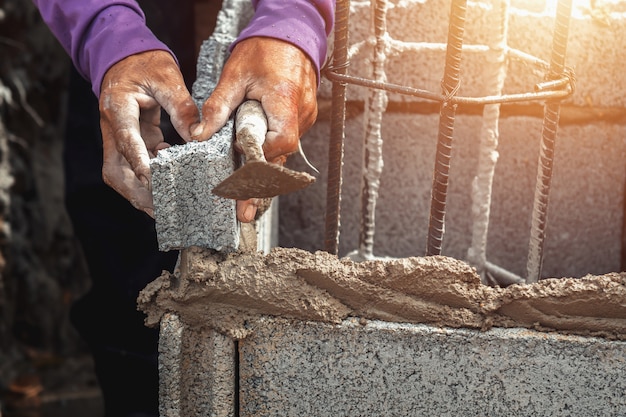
<point>118,241</point>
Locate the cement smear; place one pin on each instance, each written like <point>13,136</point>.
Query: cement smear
<point>229,292</point>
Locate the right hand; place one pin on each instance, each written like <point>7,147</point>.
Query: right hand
<point>132,94</point>
<point>280,76</point>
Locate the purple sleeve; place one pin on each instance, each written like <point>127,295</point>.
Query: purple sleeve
<point>304,23</point>
<point>98,33</point>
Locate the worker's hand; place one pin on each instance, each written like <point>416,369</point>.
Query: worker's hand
<point>283,79</point>
<point>132,94</point>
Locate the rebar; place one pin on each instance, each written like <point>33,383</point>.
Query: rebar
<point>337,128</point>
<point>555,90</point>
<point>558,85</point>
<point>547,146</point>
<point>450,86</point>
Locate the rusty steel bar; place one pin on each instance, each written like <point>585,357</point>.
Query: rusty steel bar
<point>337,128</point>
<point>541,92</point>
<point>546,152</point>
<point>450,86</point>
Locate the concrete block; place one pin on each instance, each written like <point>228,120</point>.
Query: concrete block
<point>291,368</point>
<point>231,19</point>
<point>308,339</point>
<point>196,371</point>
<point>185,210</point>
<point>585,214</point>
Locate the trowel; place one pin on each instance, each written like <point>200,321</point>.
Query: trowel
<point>257,178</point>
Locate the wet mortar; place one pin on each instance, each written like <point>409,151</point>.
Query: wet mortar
<point>229,292</point>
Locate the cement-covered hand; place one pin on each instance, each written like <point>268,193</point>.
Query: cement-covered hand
<point>279,75</point>
<point>132,94</point>
<point>276,60</point>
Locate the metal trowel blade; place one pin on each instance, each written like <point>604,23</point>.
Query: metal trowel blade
<point>259,179</point>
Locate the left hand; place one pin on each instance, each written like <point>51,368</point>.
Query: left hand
<point>279,75</point>
<point>133,91</point>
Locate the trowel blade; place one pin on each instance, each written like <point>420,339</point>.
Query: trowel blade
<point>259,179</point>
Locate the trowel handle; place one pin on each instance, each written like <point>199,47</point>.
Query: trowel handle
<point>250,129</point>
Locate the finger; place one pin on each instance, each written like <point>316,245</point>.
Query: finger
<point>246,209</point>
<point>162,145</point>
<point>217,109</point>
<point>182,109</point>
<point>119,124</point>
<point>160,83</point>
<point>153,153</point>
<point>283,127</point>
<point>184,115</point>
<point>118,174</point>
<point>137,195</point>
<point>150,127</point>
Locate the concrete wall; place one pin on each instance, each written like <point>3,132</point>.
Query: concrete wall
<point>390,369</point>
<point>585,214</point>
<point>360,368</point>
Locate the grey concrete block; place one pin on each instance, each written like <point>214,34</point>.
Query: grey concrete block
<point>213,54</point>
<point>290,368</point>
<point>231,19</point>
<point>196,371</point>
<point>170,353</point>
<point>185,210</point>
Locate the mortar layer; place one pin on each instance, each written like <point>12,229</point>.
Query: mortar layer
<point>229,292</point>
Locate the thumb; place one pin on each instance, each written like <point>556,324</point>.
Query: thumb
<point>216,111</point>
<point>183,112</point>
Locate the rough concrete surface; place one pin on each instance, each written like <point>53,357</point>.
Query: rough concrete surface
<point>290,368</point>
<point>196,371</point>
<point>585,212</point>
<point>185,210</point>
<point>228,292</point>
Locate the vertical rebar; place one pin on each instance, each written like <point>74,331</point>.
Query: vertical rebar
<point>450,86</point>
<point>495,67</point>
<point>337,128</point>
<point>373,146</point>
<point>546,151</point>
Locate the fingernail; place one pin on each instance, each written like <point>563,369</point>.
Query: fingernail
<point>249,213</point>
<point>146,183</point>
<point>196,130</point>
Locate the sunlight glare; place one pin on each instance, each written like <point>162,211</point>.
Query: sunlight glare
<point>578,6</point>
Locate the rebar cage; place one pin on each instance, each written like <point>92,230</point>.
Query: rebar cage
<point>558,84</point>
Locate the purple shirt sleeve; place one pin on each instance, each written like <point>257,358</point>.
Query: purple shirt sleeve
<point>304,23</point>
<point>99,33</point>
